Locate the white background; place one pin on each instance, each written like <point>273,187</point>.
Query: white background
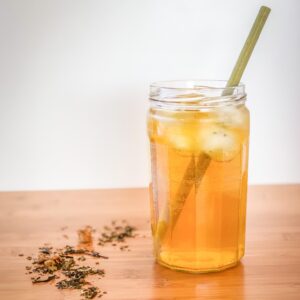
<point>74,79</point>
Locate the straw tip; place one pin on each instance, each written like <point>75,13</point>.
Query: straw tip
<point>265,9</point>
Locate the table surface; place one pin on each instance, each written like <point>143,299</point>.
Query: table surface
<point>269,270</point>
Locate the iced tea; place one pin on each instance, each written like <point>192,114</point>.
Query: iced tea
<point>199,185</point>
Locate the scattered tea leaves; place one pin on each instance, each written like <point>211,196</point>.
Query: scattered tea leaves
<point>71,284</point>
<point>116,233</point>
<point>51,264</point>
<point>71,250</point>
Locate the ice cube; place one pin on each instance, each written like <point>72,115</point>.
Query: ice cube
<point>180,139</point>
<point>181,135</point>
<point>232,116</point>
<point>220,143</point>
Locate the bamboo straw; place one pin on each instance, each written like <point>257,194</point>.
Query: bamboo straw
<point>195,171</point>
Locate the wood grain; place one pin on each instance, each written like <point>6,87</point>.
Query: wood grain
<point>270,269</point>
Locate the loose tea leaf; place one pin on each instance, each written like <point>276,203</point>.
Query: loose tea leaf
<point>46,250</point>
<point>81,258</point>
<point>96,254</point>
<point>85,235</point>
<point>90,292</point>
<point>72,250</point>
<point>124,247</point>
<point>39,279</point>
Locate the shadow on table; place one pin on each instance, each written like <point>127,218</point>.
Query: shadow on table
<point>168,284</point>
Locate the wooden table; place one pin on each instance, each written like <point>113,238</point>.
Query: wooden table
<point>269,270</point>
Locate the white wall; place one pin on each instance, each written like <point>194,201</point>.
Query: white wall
<point>74,79</point>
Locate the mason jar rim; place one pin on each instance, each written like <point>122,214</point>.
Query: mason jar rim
<point>200,84</point>
<point>196,93</point>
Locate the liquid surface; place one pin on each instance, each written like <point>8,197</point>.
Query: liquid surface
<point>199,187</point>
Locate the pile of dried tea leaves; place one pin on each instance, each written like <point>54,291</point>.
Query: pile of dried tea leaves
<point>52,264</point>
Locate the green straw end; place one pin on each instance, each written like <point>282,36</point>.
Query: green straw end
<point>265,9</point>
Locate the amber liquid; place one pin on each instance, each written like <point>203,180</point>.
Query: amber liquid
<point>208,233</point>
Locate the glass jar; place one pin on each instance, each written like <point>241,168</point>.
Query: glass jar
<point>199,136</point>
